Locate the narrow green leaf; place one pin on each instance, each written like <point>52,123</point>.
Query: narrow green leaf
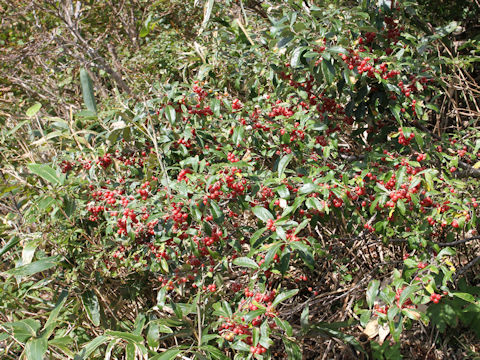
<point>337,50</point>
<point>87,91</point>
<point>207,12</point>
<point>284,296</point>
<point>372,291</point>
<point>56,310</point>
<point>465,296</point>
<point>292,349</point>
<point>214,352</point>
<point>28,252</point>
<point>153,334</point>
<point>401,206</point>
<point>9,245</point>
<point>281,233</point>
<point>130,352</point>
<point>36,348</point>
<point>283,163</point>
<point>90,347</point>
<point>245,262</point>
<point>217,213</point>
<point>134,339</point>
<point>296,56</point>
<point>238,133</point>
<point>35,267</point>
<point>271,254</point>
<point>45,172</point>
<point>256,235</point>
<point>285,325</point>
<point>304,317</point>
<point>92,306</point>
<point>170,114</point>
<point>167,355</point>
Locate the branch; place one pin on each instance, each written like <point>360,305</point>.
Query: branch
<point>97,59</point>
<point>466,267</point>
<point>459,241</point>
<point>469,171</point>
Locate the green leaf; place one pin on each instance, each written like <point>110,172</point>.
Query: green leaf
<point>134,339</point>
<point>292,208</point>
<point>36,348</point>
<point>307,188</point>
<point>90,347</point>
<point>238,133</point>
<point>262,213</point>
<point>372,291</point>
<point>33,110</point>
<point>167,355</point>
<point>256,235</point>
<point>130,352</point>
<point>245,262</point>
<point>161,295</point>
<point>170,114</point>
<point>465,296</point>
<point>139,324</point>
<point>328,71</point>
<point>87,91</point>
<point>442,315</point>
<point>9,245</point>
<point>24,329</point>
<point>296,56</point>
<point>217,213</point>
<point>337,50</point>
<point>28,252</point>
<point>401,206</point>
<point>283,163</point>
<point>153,334</point>
<point>406,293</point>
<point>255,335</point>
<point>214,352</point>
<point>284,296</point>
<point>35,267</point>
<point>253,314</point>
<point>272,250</point>
<point>304,317</point>
<point>281,233</point>
<point>304,251</point>
<point>45,172</point>
<point>52,318</point>
<point>292,349</point>
<point>207,12</point>
<point>240,346</point>
<point>92,306</point>
<point>285,325</point>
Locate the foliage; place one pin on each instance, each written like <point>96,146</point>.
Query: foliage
<point>272,162</point>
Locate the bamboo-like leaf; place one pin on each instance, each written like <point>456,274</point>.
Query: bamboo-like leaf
<point>207,12</point>
<point>36,348</point>
<point>35,267</point>
<point>87,91</point>
<point>45,172</point>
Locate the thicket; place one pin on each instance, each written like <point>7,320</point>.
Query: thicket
<point>239,179</point>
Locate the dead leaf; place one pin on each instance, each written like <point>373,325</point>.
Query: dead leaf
<point>371,330</point>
